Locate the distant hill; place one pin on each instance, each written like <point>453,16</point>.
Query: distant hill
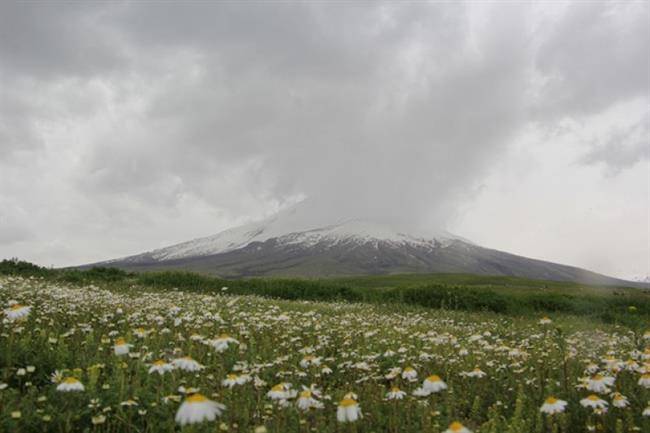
<point>284,245</point>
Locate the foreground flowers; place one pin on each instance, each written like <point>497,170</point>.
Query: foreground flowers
<point>198,408</point>
<point>456,427</point>
<point>70,384</point>
<point>348,410</point>
<point>71,334</point>
<point>395,394</point>
<point>553,405</point>
<point>594,402</point>
<point>161,367</point>
<point>186,363</point>
<point>17,311</point>
<point>430,385</point>
<point>306,401</point>
<point>121,347</point>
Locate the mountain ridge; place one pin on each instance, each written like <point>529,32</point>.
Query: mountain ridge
<point>347,247</point>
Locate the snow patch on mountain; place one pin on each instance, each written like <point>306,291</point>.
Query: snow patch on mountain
<point>290,227</point>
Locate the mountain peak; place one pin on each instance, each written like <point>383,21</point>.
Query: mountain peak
<point>295,225</point>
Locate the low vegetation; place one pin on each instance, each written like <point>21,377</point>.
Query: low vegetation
<point>106,351</point>
<point>506,295</point>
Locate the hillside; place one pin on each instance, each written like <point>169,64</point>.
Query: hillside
<point>291,245</point>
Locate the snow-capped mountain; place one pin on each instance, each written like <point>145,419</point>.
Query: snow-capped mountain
<point>294,243</point>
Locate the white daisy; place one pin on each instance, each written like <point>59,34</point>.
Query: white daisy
<point>121,347</point>
<point>553,405</point>
<point>197,408</point>
<point>348,410</point>
<point>410,374</point>
<point>620,401</point>
<point>594,402</point>
<point>456,427</point>
<point>221,343</point>
<point>599,383</point>
<point>186,363</point>
<point>17,311</point>
<point>306,401</point>
<point>395,394</point>
<point>161,367</point>
<point>70,384</point>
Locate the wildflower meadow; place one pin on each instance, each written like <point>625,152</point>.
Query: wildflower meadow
<point>109,358</point>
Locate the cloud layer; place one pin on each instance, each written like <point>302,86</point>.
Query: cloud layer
<point>126,126</point>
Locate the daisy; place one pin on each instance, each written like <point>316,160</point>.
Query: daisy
<point>70,384</point>
<point>17,311</point>
<point>477,372</point>
<point>306,401</point>
<point>395,394</point>
<point>433,383</point>
<point>348,410</point>
<point>309,360</point>
<point>161,367</point>
<point>198,408</point>
<point>594,402</point>
<point>186,363</point>
<point>619,400</point>
<point>121,347</point>
<point>456,427</point>
<point>222,342</point>
<point>644,381</point>
<point>600,383</point>
<point>553,405</point>
<point>281,391</point>
<point>545,321</point>
<point>235,379</point>
<point>410,374</point>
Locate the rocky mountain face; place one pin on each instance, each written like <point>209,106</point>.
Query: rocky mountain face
<point>284,245</point>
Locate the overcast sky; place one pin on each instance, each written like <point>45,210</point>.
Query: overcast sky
<point>130,126</point>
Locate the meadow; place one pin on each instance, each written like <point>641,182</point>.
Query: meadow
<point>106,351</point>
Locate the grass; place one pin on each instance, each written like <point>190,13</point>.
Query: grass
<point>77,319</point>
<point>505,295</point>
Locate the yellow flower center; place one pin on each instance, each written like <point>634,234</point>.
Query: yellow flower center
<point>347,402</point>
<point>224,336</point>
<point>120,342</point>
<point>159,362</point>
<point>232,376</point>
<point>70,380</point>
<point>394,389</point>
<point>196,398</point>
<point>551,400</point>
<point>456,426</point>
<point>278,388</point>
<point>16,307</point>
<point>593,397</point>
<point>408,369</point>
<point>305,394</point>
<point>598,377</point>
<point>433,378</point>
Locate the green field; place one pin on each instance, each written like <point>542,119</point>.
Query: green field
<point>483,337</point>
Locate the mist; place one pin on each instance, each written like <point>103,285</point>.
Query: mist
<point>129,126</point>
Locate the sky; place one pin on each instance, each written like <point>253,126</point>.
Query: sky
<point>524,127</point>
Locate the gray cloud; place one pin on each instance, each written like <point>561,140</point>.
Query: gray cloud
<point>160,116</point>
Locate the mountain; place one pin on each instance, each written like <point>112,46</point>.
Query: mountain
<point>289,244</point>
